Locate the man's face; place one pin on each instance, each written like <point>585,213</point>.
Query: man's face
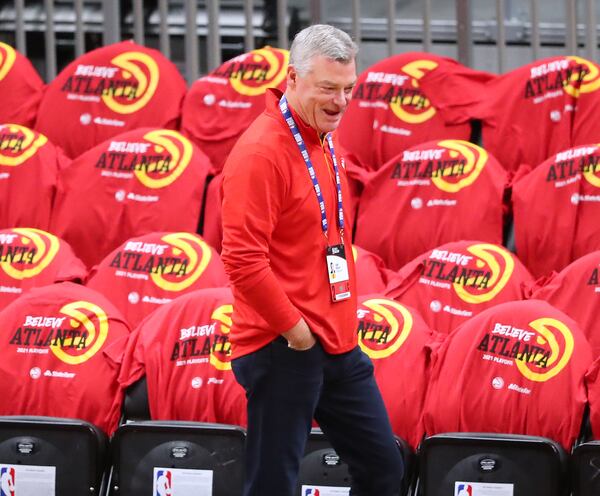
<point>321,96</point>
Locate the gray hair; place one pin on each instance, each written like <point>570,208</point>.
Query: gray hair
<point>321,39</point>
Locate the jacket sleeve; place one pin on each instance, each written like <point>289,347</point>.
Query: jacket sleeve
<point>253,195</point>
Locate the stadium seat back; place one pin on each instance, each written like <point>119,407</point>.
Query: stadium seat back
<point>107,91</point>
<point>457,463</point>
<point>147,272</point>
<point>322,467</point>
<point>393,106</point>
<point>150,457</point>
<point>142,181</point>
<point>440,192</point>
<point>456,281</point>
<point>558,200</point>
<point>37,453</point>
<point>585,469</point>
<point>21,87</point>
<point>220,106</point>
<point>32,258</point>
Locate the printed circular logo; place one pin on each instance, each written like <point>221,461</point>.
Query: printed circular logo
<point>18,144</point>
<point>549,351</point>
<point>416,203</point>
<point>555,116</point>
<point>383,328</point>
<point>253,73</point>
<point>35,373</point>
<point>197,382</point>
<point>493,269</point>
<point>168,158</point>
<point>84,331</point>
<point>133,298</point>
<point>7,59</point>
<point>189,257</point>
<point>497,383</point>
<point>436,306</point>
<point>135,85</point>
<point>584,80</point>
<point>412,106</point>
<point>26,252</point>
<point>85,119</point>
<point>220,355</point>
<point>461,167</point>
<point>209,99</point>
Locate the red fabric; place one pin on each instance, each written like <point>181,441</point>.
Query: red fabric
<point>527,113</point>
<point>184,352</point>
<point>62,348</point>
<point>273,246</point>
<point>438,192</point>
<point>593,387</point>
<point>21,88</point>
<point>455,281</point>
<point>371,273</point>
<point>517,368</point>
<point>149,271</point>
<point>393,109</point>
<point>213,227</point>
<point>576,291</point>
<point>397,340</point>
<point>143,181</point>
<point>219,107</point>
<point>556,210</point>
<point>109,91</point>
<point>585,126</point>
<point>29,168</point>
<point>31,258</point>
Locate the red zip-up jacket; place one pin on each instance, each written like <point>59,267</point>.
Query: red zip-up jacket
<point>273,245</point>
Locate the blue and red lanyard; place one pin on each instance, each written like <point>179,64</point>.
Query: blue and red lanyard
<point>287,115</point>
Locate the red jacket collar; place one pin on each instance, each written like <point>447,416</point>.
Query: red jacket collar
<point>308,133</point>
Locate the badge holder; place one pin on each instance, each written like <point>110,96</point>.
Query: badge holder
<point>337,268</point>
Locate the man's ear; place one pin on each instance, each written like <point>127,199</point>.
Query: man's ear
<point>292,77</point>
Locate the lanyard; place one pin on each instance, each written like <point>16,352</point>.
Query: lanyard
<point>287,115</point>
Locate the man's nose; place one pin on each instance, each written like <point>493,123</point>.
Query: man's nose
<point>340,98</point>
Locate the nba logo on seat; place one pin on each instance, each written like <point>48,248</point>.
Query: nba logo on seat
<point>464,490</point>
<point>163,483</point>
<point>7,481</point>
<point>312,492</point>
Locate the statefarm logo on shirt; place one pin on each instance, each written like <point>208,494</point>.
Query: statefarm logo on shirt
<point>18,144</point>
<point>7,59</point>
<point>252,73</point>
<point>383,327</point>
<point>26,252</point>
<point>74,336</point>
<point>157,160</point>
<point>399,92</point>
<point>174,264</point>
<point>476,275</point>
<point>572,75</point>
<point>451,166</point>
<point>125,86</point>
<point>206,343</point>
<point>540,351</point>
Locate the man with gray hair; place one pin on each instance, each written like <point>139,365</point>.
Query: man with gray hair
<point>287,248</point>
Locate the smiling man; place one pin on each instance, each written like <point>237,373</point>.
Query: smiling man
<point>287,248</point>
